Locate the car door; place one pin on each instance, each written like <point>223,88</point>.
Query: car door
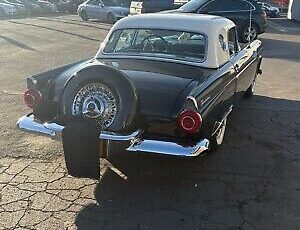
<point>243,62</point>
<point>89,8</point>
<point>101,10</point>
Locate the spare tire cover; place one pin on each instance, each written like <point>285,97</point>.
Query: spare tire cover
<point>119,84</point>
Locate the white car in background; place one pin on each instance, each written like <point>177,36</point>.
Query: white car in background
<point>271,11</point>
<point>7,9</point>
<point>106,10</point>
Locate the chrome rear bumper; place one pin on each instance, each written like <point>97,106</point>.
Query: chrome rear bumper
<point>28,123</point>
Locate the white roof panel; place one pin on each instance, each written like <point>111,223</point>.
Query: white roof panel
<point>200,23</point>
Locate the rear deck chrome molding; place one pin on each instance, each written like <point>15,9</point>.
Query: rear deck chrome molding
<point>28,124</point>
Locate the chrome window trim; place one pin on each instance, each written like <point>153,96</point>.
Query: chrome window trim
<point>151,58</point>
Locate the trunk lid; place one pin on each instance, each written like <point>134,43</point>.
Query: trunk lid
<point>159,84</point>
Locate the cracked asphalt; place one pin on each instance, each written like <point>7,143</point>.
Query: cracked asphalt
<point>252,182</point>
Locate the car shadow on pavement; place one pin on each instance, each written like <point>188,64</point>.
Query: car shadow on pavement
<point>250,182</point>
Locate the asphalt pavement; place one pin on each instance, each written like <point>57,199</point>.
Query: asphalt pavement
<point>252,182</point>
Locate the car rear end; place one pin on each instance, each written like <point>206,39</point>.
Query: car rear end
<point>9,10</point>
<point>151,6</point>
<point>259,17</point>
<point>20,9</point>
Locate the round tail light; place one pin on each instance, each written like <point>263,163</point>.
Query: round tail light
<point>190,121</point>
<point>32,98</point>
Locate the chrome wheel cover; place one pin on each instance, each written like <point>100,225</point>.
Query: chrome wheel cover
<point>96,101</point>
<point>250,33</point>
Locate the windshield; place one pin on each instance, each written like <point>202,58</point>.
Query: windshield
<point>158,43</point>
<point>192,5</point>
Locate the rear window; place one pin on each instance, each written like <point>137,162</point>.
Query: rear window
<point>158,43</point>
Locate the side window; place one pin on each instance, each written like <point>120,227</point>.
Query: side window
<point>94,2</point>
<point>125,40</point>
<point>232,41</point>
<point>245,5</point>
<point>239,5</point>
<point>216,6</point>
<point>211,7</point>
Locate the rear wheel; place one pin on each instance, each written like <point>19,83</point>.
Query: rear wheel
<point>84,15</point>
<point>249,33</point>
<point>251,90</point>
<point>218,136</point>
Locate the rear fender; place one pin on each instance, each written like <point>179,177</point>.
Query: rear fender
<point>215,97</point>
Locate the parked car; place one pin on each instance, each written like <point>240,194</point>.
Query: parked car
<point>30,6</point>
<point>236,10</point>
<point>160,83</point>
<point>7,10</point>
<point>151,6</point>
<point>46,7</point>
<point>20,8</point>
<point>65,5</point>
<point>271,11</point>
<point>109,10</point>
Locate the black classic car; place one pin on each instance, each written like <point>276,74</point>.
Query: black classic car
<point>158,86</point>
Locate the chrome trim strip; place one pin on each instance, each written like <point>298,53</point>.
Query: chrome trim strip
<point>27,123</point>
<point>193,100</point>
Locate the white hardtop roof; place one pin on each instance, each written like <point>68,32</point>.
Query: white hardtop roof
<point>198,23</point>
<point>210,26</point>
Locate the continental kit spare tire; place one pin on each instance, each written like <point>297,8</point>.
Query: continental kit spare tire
<point>101,93</point>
